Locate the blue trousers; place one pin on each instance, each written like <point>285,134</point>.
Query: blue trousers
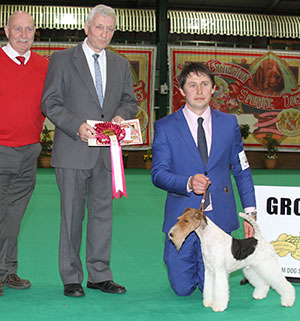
<point>186,267</point>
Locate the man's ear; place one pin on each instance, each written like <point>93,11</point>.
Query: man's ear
<point>6,30</point>
<point>86,29</point>
<point>182,92</point>
<point>213,90</point>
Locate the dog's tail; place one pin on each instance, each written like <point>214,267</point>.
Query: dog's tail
<point>249,219</point>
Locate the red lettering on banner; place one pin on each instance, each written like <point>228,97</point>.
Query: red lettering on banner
<point>229,70</point>
<point>242,93</point>
<point>250,98</point>
<point>139,90</point>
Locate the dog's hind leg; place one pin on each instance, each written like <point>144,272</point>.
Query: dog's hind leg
<point>279,283</point>
<point>208,291</point>
<point>261,288</point>
<point>221,290</point>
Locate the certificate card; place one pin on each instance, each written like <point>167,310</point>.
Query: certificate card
<point>132,129</point>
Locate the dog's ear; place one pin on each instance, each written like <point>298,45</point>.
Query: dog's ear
<point>200,216</point>
<point>187,209</point>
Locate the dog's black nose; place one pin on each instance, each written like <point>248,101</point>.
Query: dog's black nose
<point>171,235</point>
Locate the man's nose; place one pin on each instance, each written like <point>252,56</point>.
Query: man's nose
<point>199,89</point>
<point>23,33</point>
<point>104,32</point>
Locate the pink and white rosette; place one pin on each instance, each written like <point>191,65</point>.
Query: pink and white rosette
<point>110,133</point>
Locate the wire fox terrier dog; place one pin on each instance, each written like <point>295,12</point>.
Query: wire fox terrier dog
<point>223,254</point>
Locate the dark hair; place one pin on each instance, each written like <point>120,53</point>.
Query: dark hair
<point>197,68</point>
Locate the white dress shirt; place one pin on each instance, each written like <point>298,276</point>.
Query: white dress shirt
<point>12,54</point>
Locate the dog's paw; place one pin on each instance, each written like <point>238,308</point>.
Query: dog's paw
<point>219,308</point>
<point>259,297</point>
<point>207,303</point>
<point>259,294</point>
<point>288,302</point>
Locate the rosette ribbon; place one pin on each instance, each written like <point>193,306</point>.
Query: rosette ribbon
<point>110,133</point>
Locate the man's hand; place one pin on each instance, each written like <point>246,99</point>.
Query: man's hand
<point>85,132</point>
<point>118,120</point>
<point>199,183</point>
<point>248,229</point>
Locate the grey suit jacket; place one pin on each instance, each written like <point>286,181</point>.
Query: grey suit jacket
<point>70,98</point>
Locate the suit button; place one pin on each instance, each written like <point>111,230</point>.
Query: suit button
<point>225,189</point>
<point>205,173</point>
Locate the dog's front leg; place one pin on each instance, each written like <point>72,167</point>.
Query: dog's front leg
<point>208,291</point>
<point>221,290</point>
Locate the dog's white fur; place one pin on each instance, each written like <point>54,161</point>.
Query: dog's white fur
<point>261,268</point>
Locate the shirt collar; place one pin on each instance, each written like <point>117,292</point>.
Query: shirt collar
<point>12,53</point>
<point>89,52</point>
<point>192,117</point>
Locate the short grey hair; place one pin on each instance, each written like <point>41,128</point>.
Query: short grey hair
<point>103,10</point>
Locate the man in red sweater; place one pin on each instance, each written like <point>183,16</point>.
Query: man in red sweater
<point>22,79</point>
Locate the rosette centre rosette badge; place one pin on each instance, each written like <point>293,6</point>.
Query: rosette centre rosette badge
<point>114,135</point>
<point>106,129</point>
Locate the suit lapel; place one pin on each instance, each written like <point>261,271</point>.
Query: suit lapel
<point>215,139</point>
<point>185,133</point>
<point>83,70</point>
<point>110,76</point>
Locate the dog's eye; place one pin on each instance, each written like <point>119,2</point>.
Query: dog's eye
<point>185,221</point>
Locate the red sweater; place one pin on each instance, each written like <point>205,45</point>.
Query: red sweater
<point>21,88</point>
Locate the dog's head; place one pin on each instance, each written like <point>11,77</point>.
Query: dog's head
<point>188,222</point>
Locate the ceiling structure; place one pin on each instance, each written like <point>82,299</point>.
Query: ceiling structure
<point>270,7</point>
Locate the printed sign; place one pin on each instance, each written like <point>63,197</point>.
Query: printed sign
<point>278,215</point>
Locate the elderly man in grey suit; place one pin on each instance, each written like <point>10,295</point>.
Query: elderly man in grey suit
<point>86,82</point>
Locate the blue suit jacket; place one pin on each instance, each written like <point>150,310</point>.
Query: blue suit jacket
<point>176,158</point>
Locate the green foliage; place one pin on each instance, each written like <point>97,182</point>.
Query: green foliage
<point>245,130</point>
<point>148,155</point>
<point>46,142</point>
<point>271,143</point>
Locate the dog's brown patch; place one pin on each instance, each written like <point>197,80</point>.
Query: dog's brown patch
<point>188,222</point>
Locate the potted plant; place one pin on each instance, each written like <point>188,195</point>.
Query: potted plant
<point>148,159</point>
<point>245,130</point>
<point>46,144</point>
<point>270,143</point>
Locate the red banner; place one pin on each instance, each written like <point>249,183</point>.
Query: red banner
<point>261,87</point>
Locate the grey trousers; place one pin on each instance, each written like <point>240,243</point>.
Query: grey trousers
<point>80,189</point>
<point>17,181</point>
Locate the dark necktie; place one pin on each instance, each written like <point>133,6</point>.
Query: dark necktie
<point>98,79</point>
<point>21,59</point>
<point>202,146</point>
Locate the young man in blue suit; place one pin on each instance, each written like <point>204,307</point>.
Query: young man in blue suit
<point>179,169</point>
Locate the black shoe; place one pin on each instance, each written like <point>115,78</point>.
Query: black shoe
<point>1,289</point>
<point>244,281</point>
<point>73,289</point>
<point>107,286</point>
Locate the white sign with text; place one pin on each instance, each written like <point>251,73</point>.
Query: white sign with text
<point>278,215</point>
